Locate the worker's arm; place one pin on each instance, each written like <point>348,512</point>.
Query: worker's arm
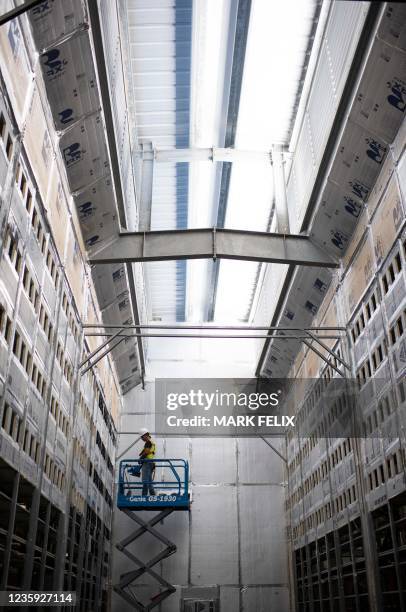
<point>145,450</point>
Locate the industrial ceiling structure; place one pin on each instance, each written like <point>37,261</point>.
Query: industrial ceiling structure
<point>202,189</point>
<point>160,108</point>
<point>99,173</point>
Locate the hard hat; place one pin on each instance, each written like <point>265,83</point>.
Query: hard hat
<point>143,431</point>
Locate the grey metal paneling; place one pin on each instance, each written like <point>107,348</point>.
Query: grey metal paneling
<point>266,599</point>
<point>257,462</point>
<point>175,447</point>
<point>158,73</point>
<point>328,82</point>
<point>114,65</point>
<point>322,105</point>
<point>214,461</point>
<point>214,536</point>
<point>263,538</point>
<point>340,38</point>
<point>175,569</point>
<point>173,603</point>
<point>229,599</point>
<point>304,165</point>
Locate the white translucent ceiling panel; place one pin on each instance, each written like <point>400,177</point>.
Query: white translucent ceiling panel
<point>278,39</point>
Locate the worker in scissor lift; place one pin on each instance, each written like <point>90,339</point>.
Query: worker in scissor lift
<point>147,467</point>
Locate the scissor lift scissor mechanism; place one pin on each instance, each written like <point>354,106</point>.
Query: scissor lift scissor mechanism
<point>171,494</point>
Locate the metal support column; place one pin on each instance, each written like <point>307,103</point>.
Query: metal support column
<point>127,580</point>
<point>97,37</point>
<point>214,154</point>
<point>147,177</point>
<point>281,200</point>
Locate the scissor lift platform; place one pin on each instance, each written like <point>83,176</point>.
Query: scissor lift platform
<point>171,487</point>
<point>171,494</point>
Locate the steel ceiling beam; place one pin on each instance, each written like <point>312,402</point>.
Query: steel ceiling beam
<point>214,154</point>
<point>19,10</point>
<point>238,49</point>
<point>93,8</point>
<point>213,243</point>
<point>209,326</point>
<point>224,336</point>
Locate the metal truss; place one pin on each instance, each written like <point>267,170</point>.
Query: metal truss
<point>212,243</point>
<point>308,335</point>
<point>126,585</point>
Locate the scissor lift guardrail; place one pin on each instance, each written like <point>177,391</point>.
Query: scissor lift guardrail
<point>171,494</point>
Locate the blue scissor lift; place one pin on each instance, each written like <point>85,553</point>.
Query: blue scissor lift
<point>171,494</point>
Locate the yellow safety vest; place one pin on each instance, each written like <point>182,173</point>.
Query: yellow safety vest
<point>151,451</point>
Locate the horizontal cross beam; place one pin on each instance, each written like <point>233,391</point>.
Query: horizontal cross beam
<point>209,326</point>
<point>212,243</point>
<point>214,154</point>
